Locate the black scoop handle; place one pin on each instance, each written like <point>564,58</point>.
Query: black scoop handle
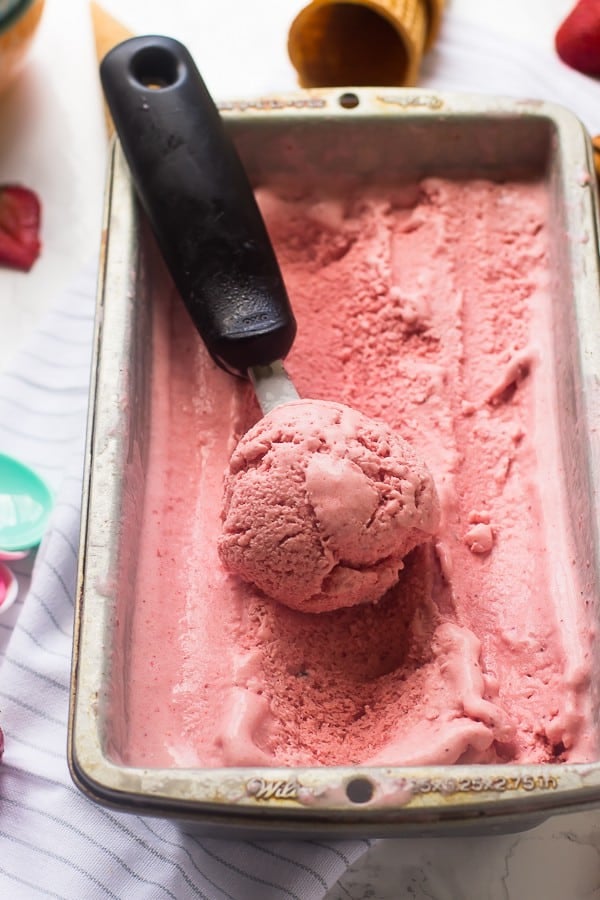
<point>199,201</point>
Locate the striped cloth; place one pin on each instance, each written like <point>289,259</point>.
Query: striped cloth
<point>54,842</point>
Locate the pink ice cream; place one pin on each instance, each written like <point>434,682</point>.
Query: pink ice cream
<point>426,308</point>
<point>322,505</point>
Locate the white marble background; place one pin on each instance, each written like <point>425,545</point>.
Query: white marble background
<point>559,860</point>
<point>52,139</point>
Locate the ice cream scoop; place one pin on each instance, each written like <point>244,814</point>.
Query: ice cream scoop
<point>322,504</point>
<point>199,202</point>
<point>8,588</point>
<point>13,556</point>
<point>25,505</point>
<point>208,226</point>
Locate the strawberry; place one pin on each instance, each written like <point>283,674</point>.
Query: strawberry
<point>577,41</point>
<point>19,227</point>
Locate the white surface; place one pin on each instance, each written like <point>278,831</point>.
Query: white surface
<point>52,139</point>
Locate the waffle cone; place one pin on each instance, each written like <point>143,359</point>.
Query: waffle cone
<point>108,32</point>
<point>333,43</point>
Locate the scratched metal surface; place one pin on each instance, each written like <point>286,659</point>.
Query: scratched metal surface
<point>410,134</point>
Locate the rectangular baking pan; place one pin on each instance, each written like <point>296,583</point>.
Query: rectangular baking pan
<point>381,136</point>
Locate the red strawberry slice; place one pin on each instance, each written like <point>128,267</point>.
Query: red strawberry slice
<point>577,41</point>
<point>19,227</point>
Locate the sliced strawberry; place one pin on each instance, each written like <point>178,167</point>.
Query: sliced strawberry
<point>577,41</point>
<point>19,227</point>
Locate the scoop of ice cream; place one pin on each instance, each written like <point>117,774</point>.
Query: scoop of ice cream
<point>322,504</point>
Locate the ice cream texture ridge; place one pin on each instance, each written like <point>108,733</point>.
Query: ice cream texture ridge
<point>427,309</point>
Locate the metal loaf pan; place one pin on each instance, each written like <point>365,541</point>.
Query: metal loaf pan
<point>380,135</point>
